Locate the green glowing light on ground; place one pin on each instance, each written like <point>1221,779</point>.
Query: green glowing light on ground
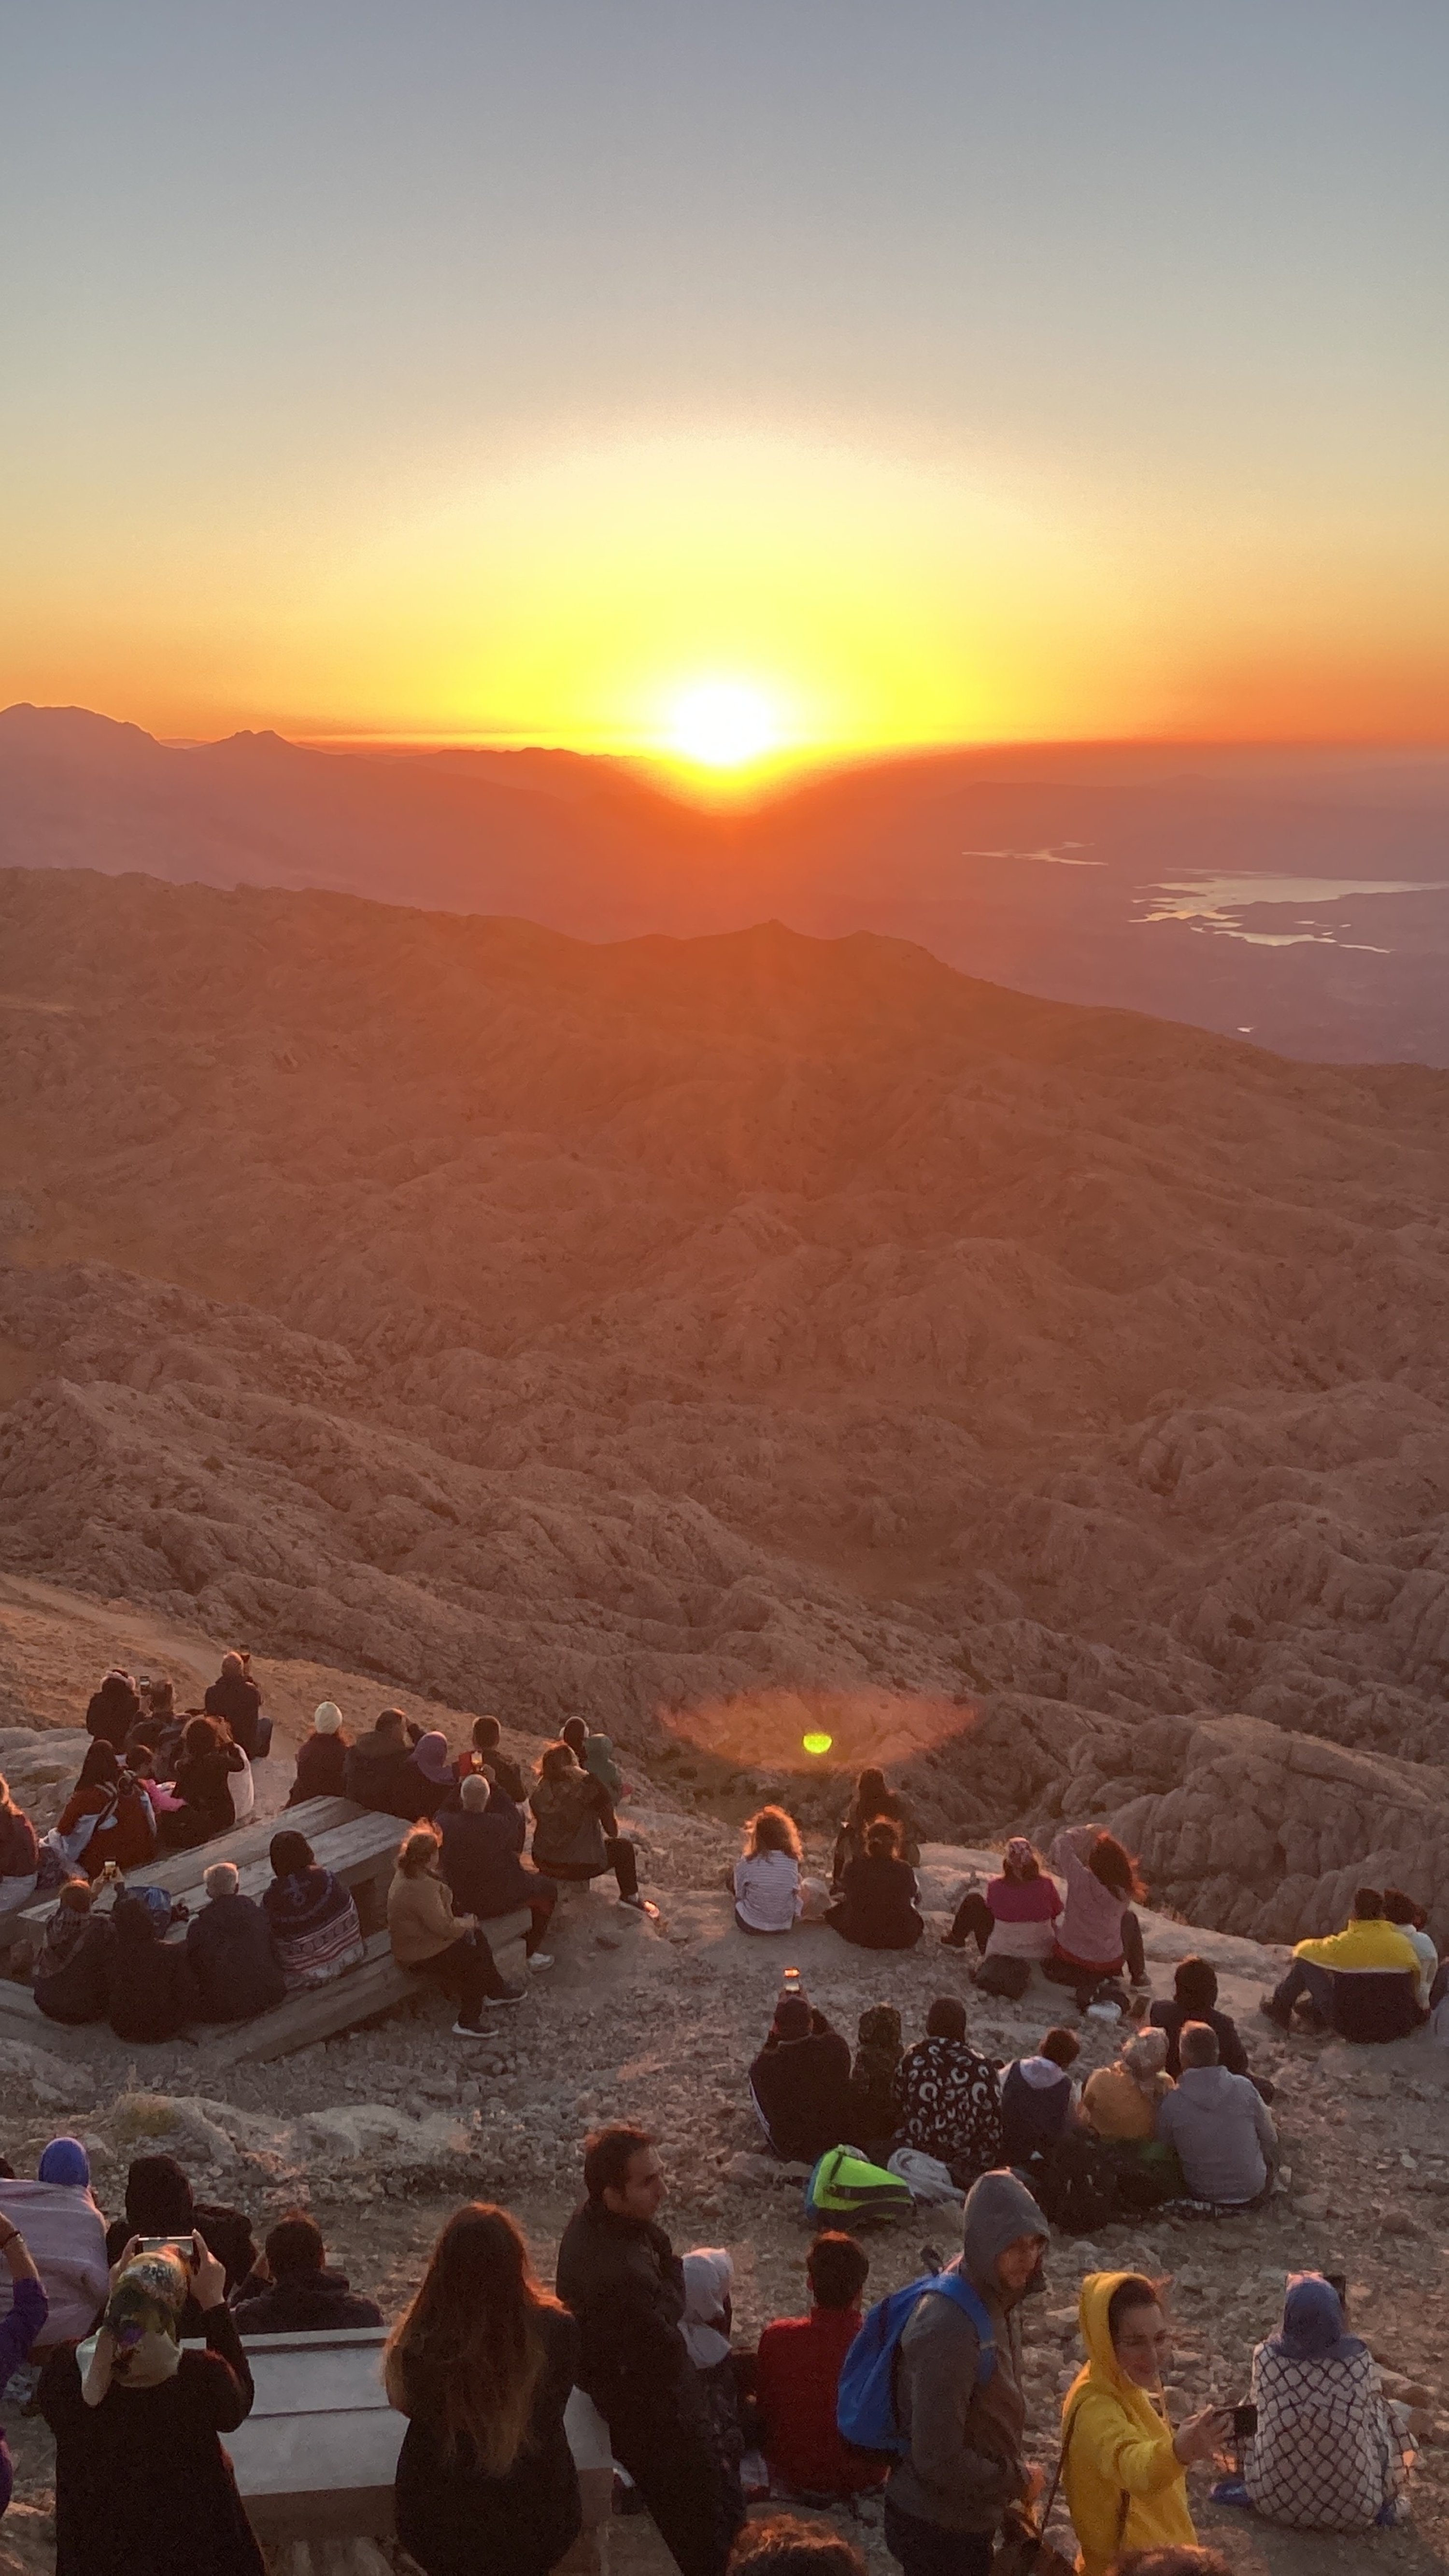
<point>817,1744</point>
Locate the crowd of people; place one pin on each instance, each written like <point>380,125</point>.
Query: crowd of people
<point>526,2407</point>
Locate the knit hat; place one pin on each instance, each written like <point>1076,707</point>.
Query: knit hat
<point>65,2161</point>
<point>326,1717</point>
<point>792,2017</point>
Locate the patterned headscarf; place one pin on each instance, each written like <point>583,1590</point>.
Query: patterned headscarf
<point>139,2344</point>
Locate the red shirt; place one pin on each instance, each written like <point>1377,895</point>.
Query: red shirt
<point>798,2374</point>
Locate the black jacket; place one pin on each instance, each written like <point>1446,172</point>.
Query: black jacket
<point>383,1776</point>
<point>229,1945</point>
<point>306,2303</point>
<point>232,1697</point>
<point>142,2480</point>
<point>452,2517</point>
<point>481,1862</point>
<point>150,1990</point>
<point>803,2089</point>
<point>877,1909</point>
<point>1170,2015</point>
<point>113,1711</point>
<point>622,2281</point>
<point>77,1991</point>
<point>321,1769</point>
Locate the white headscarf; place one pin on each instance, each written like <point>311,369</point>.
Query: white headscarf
<point>708,2278</point>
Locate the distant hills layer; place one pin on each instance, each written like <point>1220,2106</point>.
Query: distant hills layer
<point>1300,897</point>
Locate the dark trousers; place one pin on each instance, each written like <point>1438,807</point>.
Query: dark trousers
<point>973,1920</point>
<point>679,2477</point>
<point>467,1969</point>
<point>1066,1972</point>
<point>927,2549</point>
<point>624,1862</point>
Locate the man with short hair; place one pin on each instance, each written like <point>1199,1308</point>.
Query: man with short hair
<point>1362,1982</point>
<point>797,2377</point>
<point>304,2297</point>
<point>483,1864</point>
<point>230,1950</point>
<point>1220,2126</point>
<point>1039,2099</point>
<point>380,1773</point>
<point>618,2273</point>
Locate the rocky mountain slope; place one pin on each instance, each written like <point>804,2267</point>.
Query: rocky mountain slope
<point>671,1328</point>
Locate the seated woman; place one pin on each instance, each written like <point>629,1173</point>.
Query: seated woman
<point>1098,1934</point>
<point>233,1957</point>
<point>877,1908</point>
<point>1327,2455</point>
<point>1120,2101</point>
<point>1123,2465</point>
<point>872,1801</point>
<point>1412,1919</point>
<point>428,1936</point>
<point>66,2236</point>
<point>766,1877</point>
<point>19,1853</point>
<point>20,2326</point>
<point>108,1817</point>
<point>321,1757</point>
<point>576,1834</point>
<point>437,1773</point>
<point>113,1710</point>
<point>204,1774</point>
<point>482,2365</point>
<point>947,2103</point>
<point>1013,1924</point>
<point>707,2325</point>
<point>68,1979</point>
<point>310,1914</point>
<point>150,1990</point>
<point>871,2116</point>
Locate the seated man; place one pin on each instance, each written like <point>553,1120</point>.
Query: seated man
<point>1220,2126</point>
<point>379,1771</point>
<point>946,2096</point>
<point>159,2202</point>
<point>229,1945</point>
<point>1362,1982</point>
<point>595,1752</point>
<point>486,1754</point>
<point>1039,2099</point>
<point>801,2082</point>
<point>304,2297</point>
<point>797,2375</point>
<point>482,1863</point>
<point>1195,1998</point>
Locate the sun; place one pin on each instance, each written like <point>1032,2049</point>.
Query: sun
<point>724,724</point>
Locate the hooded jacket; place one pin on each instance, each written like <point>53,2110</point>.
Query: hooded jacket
<point>965,2462</point>
<point>1124,2483</point>
<point>1221,2128</point>
<point>1375,1972</point>
<point>380,1774</point>
<point>306,2303</point>
<point>321,1769</point>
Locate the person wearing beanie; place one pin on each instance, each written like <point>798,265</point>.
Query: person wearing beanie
<point>160,2202</point>
<point>66,2237</point>
<point>380,1773</point>
<point>800,2082</point>
<point>433,1763</point>
<point>229,1945</point>
<point>322,1757</point>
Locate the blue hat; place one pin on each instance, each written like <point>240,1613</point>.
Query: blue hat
<point>65,2160</point>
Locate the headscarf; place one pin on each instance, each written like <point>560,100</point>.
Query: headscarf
<point>158,2198</point>
<point>65,2161</point>
<point>1145,2058</point>
<point>1312,2327</point>
<point>1018,1853</point>
<point>65,1928</point>
<point>139,2344</point>
<point>708,2279</point>
<point>432,1758</point>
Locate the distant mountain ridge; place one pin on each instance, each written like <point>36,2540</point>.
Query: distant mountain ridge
<point>951,849</point>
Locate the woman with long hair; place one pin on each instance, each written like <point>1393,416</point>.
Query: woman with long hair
<point>766,1877</point>
<point>877,1908</point>
<point>1098,1934</point>
<point>1013,1924</point>
<point>203,1784</point>
<point>872,1801</point>
<point>482,2364</point>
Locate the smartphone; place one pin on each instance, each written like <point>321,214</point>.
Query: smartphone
<point>1245,2423</point>
<point>181,2245</point>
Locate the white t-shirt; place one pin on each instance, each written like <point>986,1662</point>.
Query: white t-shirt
<point>1428,1957</point>
<point>767,1890</point>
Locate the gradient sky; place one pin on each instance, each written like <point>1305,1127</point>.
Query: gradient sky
<point>937,371</point>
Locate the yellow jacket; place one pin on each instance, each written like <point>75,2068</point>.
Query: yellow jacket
<point>1368,1944</point>
<point>1124,2484</point>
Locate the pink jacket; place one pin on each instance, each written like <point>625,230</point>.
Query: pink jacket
<point>66,2235</point>
<point>1090,1930</point>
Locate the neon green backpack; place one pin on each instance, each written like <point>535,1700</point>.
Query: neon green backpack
<point>845,2189</point>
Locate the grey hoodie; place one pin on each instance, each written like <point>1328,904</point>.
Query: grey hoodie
<point>1220,2127</point>
<point>965,2463</point>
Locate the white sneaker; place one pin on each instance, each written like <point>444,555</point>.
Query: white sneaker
<point>467,2030</point>
<point>539,1959</point>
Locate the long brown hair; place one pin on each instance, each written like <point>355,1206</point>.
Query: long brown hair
<point>474,2334</point>
<point>771,1830</point>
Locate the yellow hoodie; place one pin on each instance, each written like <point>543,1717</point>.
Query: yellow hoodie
<point>1120,2453</point>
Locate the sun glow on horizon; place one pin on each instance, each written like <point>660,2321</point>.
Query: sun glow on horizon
<point>724,724</point>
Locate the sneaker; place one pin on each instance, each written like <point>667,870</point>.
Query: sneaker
<point>950,1942</point>
<point>641,1905</point>
<point>539,1959</point>
<point>468,2030</point>
<point>510,1995</point>
<point>1275,2012</point>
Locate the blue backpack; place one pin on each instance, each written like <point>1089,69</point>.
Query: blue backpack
<point>865,2403</point>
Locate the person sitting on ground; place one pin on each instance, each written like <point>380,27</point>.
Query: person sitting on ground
<point>1039,2101</point>
<point>784,2545</point>
<point>311,1915</point>
<point>151,1993</point>
<point>797,2375</point>
<point>235,1700</point>
<point>800,2082</point>
<point>66,2238</point>
<point>872,1802</point>
<point>141,2479</point>
<point>434,1765</point>
<point>380,1774</point>
<point>1326,2455</point>
<point>872,2103</point>
<point>161,1724</point>
<point>1098,1933</point>
<point>1362,1982</point>
<point>963,2466</point>
<point>159,2202</point>
<point>1013,1924</point>
<point>708,2275</point>
<point>21,2325</point>
<point>481,2365</point>
<point>1120,2102</point>
<point>322,1757</point>
<point>576,1833</point>
<point>209,1763</point>
<point>481,1854</point>
<point>113,1710</point>
<point>1123,2466</point>
<point>68,1979</point>
<point>766,1878</point>
<point>947,2102</point>
<point>1194,1998</point>
<point>300,2296</point>
<point>1220,2126</point>
<point>450,1949</point>
<point>19,1853</point>
<point>877,1908</point>
<point>1411,1918</point>
<point>595,1752</point>
<point>231,1950</point>
<point>108,1819</point>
